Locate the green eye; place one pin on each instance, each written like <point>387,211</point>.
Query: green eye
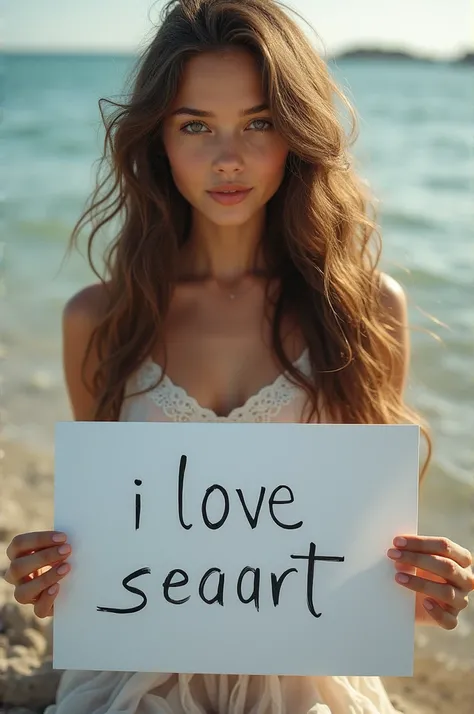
<point>191,123</point>
<point>183,129</point>
<point>264,121</point>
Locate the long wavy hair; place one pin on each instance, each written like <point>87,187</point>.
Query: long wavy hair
<point>321,239</point>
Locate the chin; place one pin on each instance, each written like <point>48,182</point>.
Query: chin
<point>229,221</point>
<point>229,216</point>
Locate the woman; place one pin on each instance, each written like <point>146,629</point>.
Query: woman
<point>243,260</point>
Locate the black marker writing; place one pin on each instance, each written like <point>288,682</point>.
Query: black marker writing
<point>219,596</point>
<point>311,558</point>
<point>228,498</point>
<point>272,502</point>
<point>168,584</point>
<point>125,583</point>
<point>182,469</point>
<point>277,583</point>
<point>138,505</point>
<point>216,504</point>
<point>225,495</point>
<point>255,596</point>
<point>253,520</point>
<point>178,578</point>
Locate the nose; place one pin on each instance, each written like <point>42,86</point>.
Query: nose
<point>228,159</point>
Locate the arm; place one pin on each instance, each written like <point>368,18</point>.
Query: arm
<point>38,561</point>
<point>81,315</point>
<point>395,304</point>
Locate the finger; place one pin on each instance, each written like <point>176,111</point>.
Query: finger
<point>446,619</point>
<point>404,567</point>
<point>441,591</point>
<point>437,546</point>
<point>22,567</point>
<point>28,592</point>
<point>27,542</point>
<point>442,567</point>
<point>470,575</point>
<point>401,568</point>
<point>43,607</point>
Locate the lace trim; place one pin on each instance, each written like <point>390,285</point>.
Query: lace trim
<point>179,406</point>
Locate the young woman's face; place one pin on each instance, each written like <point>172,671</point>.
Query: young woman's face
<point>224,146</point>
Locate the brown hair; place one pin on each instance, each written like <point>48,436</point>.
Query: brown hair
<point>321,240</point>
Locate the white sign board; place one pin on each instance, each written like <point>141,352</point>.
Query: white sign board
<point>235,548</point>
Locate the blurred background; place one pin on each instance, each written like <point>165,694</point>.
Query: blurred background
<point>407,67</point>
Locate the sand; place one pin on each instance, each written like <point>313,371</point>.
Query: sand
<point>440,685</point>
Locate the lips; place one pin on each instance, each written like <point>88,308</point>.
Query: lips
<point>230,189</point>
<point>229,196</point>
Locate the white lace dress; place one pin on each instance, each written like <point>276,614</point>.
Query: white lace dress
<point>151,693</point>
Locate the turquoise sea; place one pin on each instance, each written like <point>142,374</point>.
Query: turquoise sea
<point>416,151</point>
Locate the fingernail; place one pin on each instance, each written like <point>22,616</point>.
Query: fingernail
<point>62,570</point>
<point>428,605</point>
<point>59,538</point>
<point>392,553</point>
<point>63,549</point>
<point>402,578</point>
<point>52,589</point>
<point>400,542</point>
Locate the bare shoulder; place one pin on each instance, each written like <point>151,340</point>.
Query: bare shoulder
<point>393,298</point>
<point>88,306</point>
<point>393,301</point>
<point>82,313</point>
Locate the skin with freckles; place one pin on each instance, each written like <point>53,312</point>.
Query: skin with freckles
<point>205,152</point>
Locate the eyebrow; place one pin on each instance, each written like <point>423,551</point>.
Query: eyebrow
<point>199,113</point>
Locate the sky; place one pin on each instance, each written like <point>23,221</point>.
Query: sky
<point>442,28</point>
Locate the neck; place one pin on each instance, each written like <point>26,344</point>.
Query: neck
<point>223,253</point>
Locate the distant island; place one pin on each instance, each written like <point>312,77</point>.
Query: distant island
<point>468,58</point>
<point>378,53</point>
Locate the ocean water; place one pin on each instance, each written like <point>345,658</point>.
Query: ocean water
<point>416,151</point>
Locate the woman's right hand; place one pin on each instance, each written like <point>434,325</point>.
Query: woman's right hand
<point>37,564</point>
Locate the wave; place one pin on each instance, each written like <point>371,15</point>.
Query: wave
<point>448,183</point>
<point>403,219</point>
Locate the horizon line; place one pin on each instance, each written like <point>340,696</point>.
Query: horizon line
<point>131,52</point>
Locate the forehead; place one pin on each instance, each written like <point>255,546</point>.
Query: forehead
<point>229,78</point>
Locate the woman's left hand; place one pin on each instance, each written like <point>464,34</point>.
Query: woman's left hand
<point>443,579</point>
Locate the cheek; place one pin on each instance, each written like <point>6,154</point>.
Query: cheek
<point>270,165</point>
<point>187,167</point>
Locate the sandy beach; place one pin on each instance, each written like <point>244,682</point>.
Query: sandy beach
<point>441,684</point>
